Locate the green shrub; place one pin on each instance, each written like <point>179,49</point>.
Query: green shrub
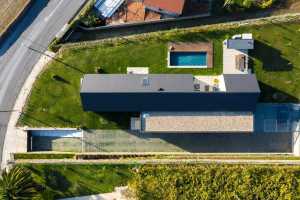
<point>241,5</point>
<point>216,182</point>
<point>18,156</point>
<point>54,45</point>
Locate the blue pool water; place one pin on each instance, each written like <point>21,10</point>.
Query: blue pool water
<point>188,59</point>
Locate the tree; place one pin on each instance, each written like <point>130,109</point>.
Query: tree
<point>229,3</point>
<point>17,184</point>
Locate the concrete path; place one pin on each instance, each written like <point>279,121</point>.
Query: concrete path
<point>22,49</point>
<point>106,196</point>
<point>116,195</point>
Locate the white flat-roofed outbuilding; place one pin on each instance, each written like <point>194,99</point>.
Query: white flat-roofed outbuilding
<point>235,53</point>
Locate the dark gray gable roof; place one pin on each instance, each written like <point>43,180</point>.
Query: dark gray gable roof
<point>241,83</point>
<point>133,83</point>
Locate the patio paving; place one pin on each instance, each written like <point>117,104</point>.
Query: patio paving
<point>229,62</point>
<point>56,144</point>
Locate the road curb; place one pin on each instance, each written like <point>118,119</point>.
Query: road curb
<point>16,138</point>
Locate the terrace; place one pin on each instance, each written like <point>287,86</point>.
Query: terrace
<point>235,54</point>
<point>209,83</point>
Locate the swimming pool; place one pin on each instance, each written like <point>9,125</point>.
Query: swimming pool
<point>188,60</point>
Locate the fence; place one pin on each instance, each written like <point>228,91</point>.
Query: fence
<point>281,126</point>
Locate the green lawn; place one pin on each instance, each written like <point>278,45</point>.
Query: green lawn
<point>55,97</point>
<point>60,181</point>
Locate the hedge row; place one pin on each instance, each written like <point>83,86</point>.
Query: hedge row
<point>31,156</point>
<point>216,182</point>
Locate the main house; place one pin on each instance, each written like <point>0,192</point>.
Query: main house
<point>180,102</point>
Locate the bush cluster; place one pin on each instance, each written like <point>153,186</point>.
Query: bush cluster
<point>234,5</point>
<point>216,182</point>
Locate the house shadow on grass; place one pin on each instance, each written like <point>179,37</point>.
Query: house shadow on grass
<point>271,58</point>
<point>271,94</point>
<point>122,120</point>
<point>220,142</point>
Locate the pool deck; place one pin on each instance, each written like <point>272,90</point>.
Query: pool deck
<point>194,47</point>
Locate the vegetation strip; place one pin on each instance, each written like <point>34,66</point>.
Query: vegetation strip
<point>183,181</point>
<point>19,156</point>
<point>216,182</point>
<point>162,161</point>
<point>137,156</point>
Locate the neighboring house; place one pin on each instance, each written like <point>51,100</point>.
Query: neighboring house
<point>168,8</point>
<point>181,102</point>
<point>129,11</point>
<point>106,8</point>
<point>165,8</point>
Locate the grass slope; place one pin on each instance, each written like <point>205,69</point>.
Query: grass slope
<point>61,181</point>
<point>168,182</point>
<point>55,97</point>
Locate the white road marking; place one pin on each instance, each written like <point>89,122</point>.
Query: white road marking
<point>54,10</point>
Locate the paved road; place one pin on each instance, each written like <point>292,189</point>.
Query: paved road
<point>38,27</point>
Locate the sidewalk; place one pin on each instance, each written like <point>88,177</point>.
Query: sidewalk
<point>116,195</point>
<point>16,138</point>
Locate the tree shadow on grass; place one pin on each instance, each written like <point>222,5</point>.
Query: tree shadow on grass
<point>270,57</point>
<point>234,142</point>
<point>271,94</point>
<point>56,181</point>
<point>60,79</point>
<point>121,119</point>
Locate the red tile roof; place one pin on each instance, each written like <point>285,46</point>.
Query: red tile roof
<point>174,6</point>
